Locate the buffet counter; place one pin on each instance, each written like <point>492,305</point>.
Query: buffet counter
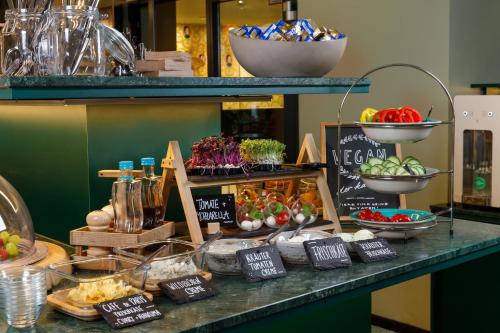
<point>463,270</point>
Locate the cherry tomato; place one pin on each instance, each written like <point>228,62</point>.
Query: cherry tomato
<point>282,218</point>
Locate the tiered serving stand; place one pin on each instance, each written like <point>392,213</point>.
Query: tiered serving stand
<point>401,133</point>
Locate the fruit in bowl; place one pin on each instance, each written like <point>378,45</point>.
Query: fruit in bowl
<point>405,114</point>
<point>8,245</point>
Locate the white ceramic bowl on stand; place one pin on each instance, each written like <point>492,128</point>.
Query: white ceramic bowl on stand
<point>399,184</point>
<point>268,58</point>
<point>398,132</point>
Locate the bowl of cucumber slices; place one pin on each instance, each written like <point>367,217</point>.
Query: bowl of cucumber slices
<point>395,176</point>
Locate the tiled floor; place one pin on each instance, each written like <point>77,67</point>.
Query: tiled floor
<point>376,329</point>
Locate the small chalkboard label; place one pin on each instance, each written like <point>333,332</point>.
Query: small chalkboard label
<point>128,311</point>
<point>187,289</point>
<point>327,253</point>
<point>372,250</point>
<point>215,208</point>
<point>261,263</point>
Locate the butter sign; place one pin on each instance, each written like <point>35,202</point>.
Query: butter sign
<point>327,253</point>
<point>372,250</point>
<point>128,311</point>
<point>187,289</point>
<point>261,263</point>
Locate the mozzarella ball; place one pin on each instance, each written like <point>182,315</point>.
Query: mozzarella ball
<point>346,237</point>
<point>271,221</point>
<point>299,218</point>
<point>363,234</point>
<point>246,225</point>
<point>256,224</point>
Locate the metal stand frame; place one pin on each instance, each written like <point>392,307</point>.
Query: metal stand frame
<point>451,123</point>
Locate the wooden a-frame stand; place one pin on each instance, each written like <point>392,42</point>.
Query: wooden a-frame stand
<point>174,173</point>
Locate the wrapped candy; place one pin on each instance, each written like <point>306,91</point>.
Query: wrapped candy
<point>305,30</point>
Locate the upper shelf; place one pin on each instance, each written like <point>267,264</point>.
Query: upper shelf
<point>73,87</point>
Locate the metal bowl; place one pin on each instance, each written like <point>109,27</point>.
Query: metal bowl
<point>398,230</point>
<point>267,58</point>
<point>398,132</point>
<point>398,184</point>
<point>294,252</point>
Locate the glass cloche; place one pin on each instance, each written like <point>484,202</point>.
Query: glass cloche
<point>17,238</point>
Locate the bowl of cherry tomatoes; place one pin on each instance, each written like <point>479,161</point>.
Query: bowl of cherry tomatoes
<point>394,223</point>
<point>396,125</point>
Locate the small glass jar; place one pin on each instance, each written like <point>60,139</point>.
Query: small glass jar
<point>78,44</point>
<point>19,42</point>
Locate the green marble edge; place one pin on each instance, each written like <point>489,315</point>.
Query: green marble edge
<point>185,82</point>
<point>67,87</point>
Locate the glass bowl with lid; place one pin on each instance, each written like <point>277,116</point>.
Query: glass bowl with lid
<point>17,237</point>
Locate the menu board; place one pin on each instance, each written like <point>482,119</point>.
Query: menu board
<point>356,148</point>
<point>261,263</point>
<point>187,288</point>
<point>215,208</point>
<point>372,250</point>
<point>327,253</point>
<point>128,311</point>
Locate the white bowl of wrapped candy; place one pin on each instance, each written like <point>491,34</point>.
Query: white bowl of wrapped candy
<point>299,49</point>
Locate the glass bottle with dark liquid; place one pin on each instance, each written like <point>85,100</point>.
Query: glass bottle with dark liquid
<point>151,195</point>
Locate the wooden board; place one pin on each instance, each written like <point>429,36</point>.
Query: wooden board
<point>89,314</point>
<point>84,237</point>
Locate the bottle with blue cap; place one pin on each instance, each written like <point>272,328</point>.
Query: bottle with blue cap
<point>152,203</point>
<point>127,201</point>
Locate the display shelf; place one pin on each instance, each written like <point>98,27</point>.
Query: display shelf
<point>174,174</point>
<point>78,87</point>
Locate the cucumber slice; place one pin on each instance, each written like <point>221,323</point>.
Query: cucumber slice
<point>402,172</point>
<point>417,169</point>
<point>408,158</point>
<point>375,161</point>
<point>413,162</point>
<point>375,170</point>
<point>386,172</point>
<point>365,168</point>
<point>392,170</point>
<point>388,163</point>
<point>394,159</point>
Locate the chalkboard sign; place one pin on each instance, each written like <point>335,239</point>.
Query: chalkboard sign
<point>215,208</point>
<point>327,253</point>
<point>187,289</point>
<point>372,250</point>
<point>356,148</point>
<point>261,263</point>
<point>128,311</point>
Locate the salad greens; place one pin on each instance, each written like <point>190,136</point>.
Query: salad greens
<point>216,152</point>
<point>262,151</point>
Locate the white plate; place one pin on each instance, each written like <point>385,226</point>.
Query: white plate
<point>398,132</point>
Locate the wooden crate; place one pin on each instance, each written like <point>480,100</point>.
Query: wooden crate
<point>84,237</point>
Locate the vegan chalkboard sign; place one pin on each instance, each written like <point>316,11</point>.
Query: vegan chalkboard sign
<point>187,289</point>
<point>356,148</point>
<point>372,250</point>
<point>128,311</point>
<point>327,253</point>
<point>261,263</point>
<point>216,208</point>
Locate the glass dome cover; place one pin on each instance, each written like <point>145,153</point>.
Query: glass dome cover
<point>17,237</point>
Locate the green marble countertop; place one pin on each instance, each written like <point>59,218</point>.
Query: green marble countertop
<point>238,302</point>
<point>81,87</point>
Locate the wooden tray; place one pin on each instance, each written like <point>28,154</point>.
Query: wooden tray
<point>89,314</point>
<point>84,237</point>
<point>155,290</point>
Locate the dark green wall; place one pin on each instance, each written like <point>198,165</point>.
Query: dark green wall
<point>43,153</point>
<point>51,154</point>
